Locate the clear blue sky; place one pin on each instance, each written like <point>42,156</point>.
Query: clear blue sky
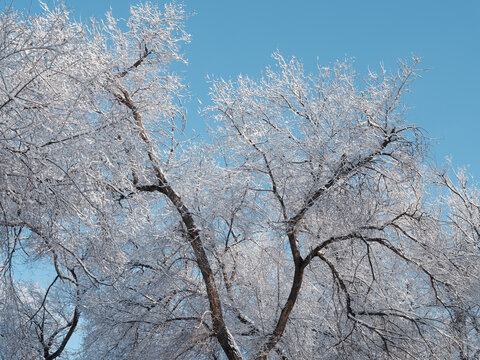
<point>232,37</point>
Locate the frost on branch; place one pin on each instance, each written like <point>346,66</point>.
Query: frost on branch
<point>311,227</point>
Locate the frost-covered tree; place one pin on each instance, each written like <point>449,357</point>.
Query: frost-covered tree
<point>311,227</point>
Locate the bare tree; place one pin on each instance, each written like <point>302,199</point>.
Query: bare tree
<point>311,227</point>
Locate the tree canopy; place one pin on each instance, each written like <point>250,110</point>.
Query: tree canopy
<point>311,226</point>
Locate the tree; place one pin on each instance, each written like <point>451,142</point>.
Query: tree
<point>312,226</point>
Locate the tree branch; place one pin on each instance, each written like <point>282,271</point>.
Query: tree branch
<point>220,329</point>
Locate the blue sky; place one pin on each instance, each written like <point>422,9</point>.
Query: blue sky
<point>232,37</point>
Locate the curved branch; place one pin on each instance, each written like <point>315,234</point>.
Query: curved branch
<point>223,335</point>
